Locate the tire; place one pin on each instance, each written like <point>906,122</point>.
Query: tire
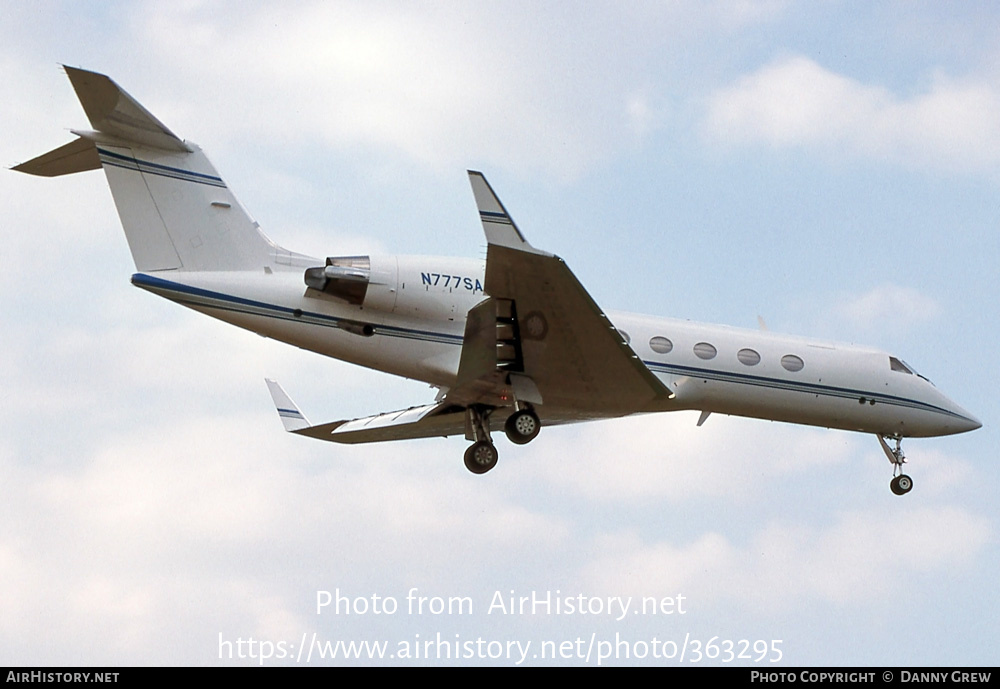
<point>522,427</point>
<point>901,485</point>
<point>481,457</point>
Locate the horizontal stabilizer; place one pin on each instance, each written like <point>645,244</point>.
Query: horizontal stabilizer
<point>76,156</point>
<point>112,111</point>
<point>177,212</point>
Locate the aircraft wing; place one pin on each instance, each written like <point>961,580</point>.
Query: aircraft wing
<point>568,348</point>
<point>538,337</point>
<point>429,421</point>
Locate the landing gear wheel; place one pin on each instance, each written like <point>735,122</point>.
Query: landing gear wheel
<point>481,457</point>
<point>522,426</point>
<point>901,485</point>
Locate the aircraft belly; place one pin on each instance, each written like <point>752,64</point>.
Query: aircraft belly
<point>413,349</point>
<point>829,408</point>
<point>385,350</point>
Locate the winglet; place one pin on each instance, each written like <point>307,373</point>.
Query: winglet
<point>291,418</point>
<point>497,224</point>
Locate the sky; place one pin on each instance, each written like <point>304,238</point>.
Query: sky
<point>832,167</point>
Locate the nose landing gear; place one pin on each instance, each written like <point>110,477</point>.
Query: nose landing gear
<point>901,484</point>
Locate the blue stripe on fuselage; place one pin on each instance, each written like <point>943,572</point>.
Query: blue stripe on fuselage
<point>228,302</point>
<point>259,308</point>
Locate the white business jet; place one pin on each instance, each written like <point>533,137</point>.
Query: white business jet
<point>513,342</point>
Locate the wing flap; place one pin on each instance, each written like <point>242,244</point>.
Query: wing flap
<point>478,380</point>
<point>433,420</point>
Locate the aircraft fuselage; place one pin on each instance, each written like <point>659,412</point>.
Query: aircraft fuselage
<point>412,325</point>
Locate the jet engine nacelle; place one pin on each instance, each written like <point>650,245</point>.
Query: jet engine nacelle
<point>357,280</point>
<point>407,285</point>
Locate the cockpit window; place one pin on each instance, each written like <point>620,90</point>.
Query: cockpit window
<point>903,367</point>
<point>897,365</point>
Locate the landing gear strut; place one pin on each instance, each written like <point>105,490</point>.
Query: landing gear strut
<point>901,484</point>
<point>482,454</point>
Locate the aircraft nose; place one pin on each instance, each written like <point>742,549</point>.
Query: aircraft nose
<point>963,421</point>
<point>951,418</point>
<point>971,424</point>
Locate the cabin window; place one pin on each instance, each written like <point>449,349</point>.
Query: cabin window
<point>625,336</point>
<point>748,357</point>
<point>704,350</point>
<point>792,363</point>
<point>661,345</point>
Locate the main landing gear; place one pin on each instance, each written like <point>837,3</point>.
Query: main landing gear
<point>521,428</point>
<point>901,484</point>
<point>481,457</point>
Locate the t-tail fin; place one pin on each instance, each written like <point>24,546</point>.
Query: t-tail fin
<point>178,214</point>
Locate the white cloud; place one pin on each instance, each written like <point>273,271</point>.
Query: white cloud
<point>851,560</point>
<point>225,523</point>
<point>445,85</point>
<point>530,86</point>
<point>667,456</point>
<point>526,86</point>
<point>902,307</point>
<point>954,124</point>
